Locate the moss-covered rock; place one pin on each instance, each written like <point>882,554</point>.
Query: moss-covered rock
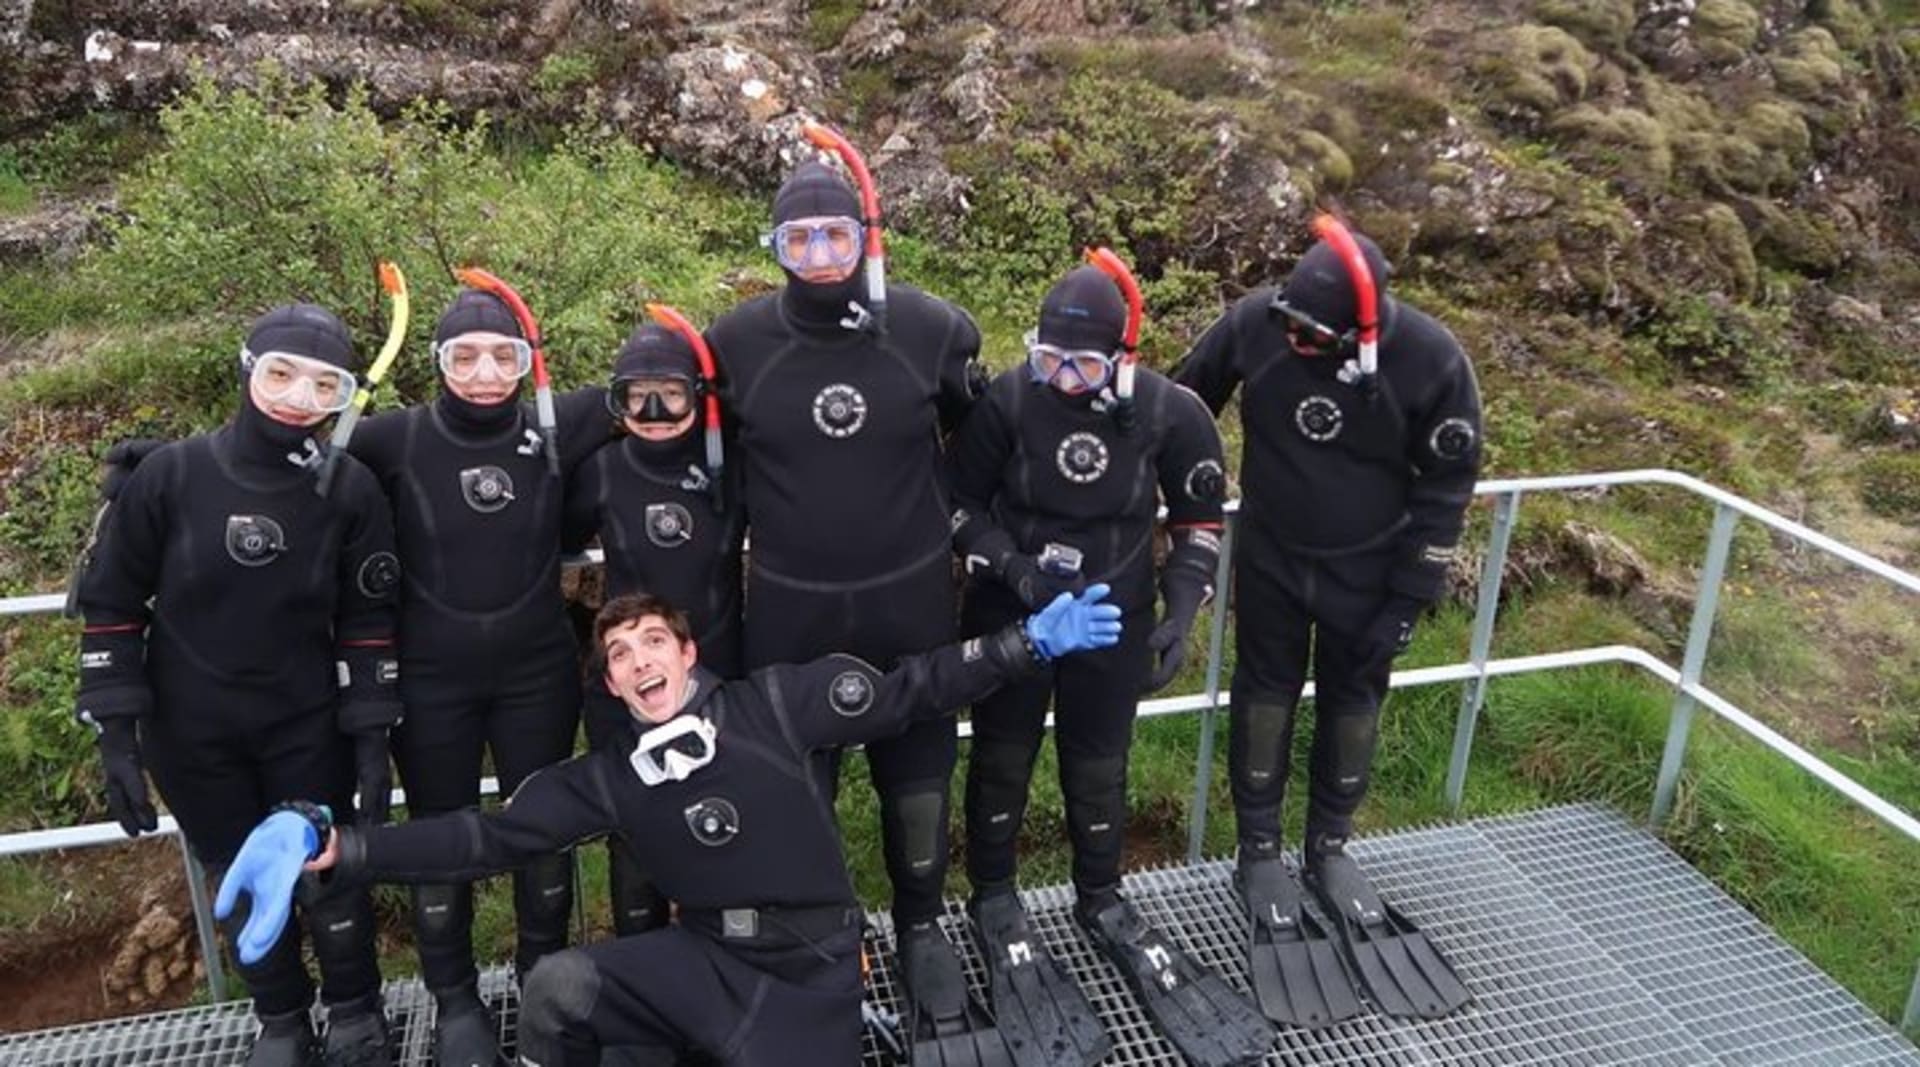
<point>1532,71</point>
<point>1725,30</point>
<point>1326,159</point>
<point>1625,144</point>
<point>1808,66</point>
<point>1602,24</point>
<point>1851,27</point>
<point>1792,239</point>
<point>1727,250</point>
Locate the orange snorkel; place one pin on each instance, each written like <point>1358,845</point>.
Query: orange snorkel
<point>673,320</point>
<point>474,277</point>
<point>1116,268</point>
<point>1366,292</point>
<point>876,254</point>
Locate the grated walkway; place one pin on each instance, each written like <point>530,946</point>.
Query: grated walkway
<point>1584,939</point>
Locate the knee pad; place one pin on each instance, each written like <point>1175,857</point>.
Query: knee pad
<point>998,776</point>
<point>1259,751</point>
<point>443,914</point>
<point>543,897</point>
<point>556,1001</point>
<point>341,924</point>
<point>1343,744</point>
<point>1096,795</point>
<point>1265,729</point>
<point>916,841</point>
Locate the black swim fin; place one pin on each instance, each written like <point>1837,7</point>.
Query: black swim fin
<point>1205,1019</point>
<point>1043,1013</point>
<point>1404,973</point>
<point>1298,975</point>
<point>946,1026</point>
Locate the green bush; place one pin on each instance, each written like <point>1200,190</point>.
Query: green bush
<point>1714,339</point>
<point>1890,485</point>
<point>1107,160</point>
<point>260,198</point>
<point>48,758</point>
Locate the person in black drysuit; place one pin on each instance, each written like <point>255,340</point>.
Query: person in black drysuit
<point>1057,477</point>
<point>718,795</point>
<point>840,429</point>
<point>238,643</point>
<point>1054,487</point>
<point>487,657</point>
<point>667,529</point>
<point>1354,494</point>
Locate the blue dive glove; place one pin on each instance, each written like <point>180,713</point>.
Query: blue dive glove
<point>1074,623</point>
<point>266,870</point>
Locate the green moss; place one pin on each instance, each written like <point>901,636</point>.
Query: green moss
<point>1795,240</point>
<point>1726,249</point>
<point>829,20</point>
<point>1447,172</point>
<point>1890,485</point>
<point>1778,130</point>
<point>1325,158</point>
<point>1197,68</point>
<point>1533,69</point>
<point>1852,28</point>
<point>1725,30</point>
<point>1628,145</point>
<point>1603,24</point>
<point>1808,65</point>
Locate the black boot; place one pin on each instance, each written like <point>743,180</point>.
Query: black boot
<point>357,1034</point>
<point>284,1041</point>
<point>464,1032</point>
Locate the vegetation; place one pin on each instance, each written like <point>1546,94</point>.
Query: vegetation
<point>1641,262</point>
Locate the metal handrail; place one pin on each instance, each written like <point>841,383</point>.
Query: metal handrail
<point>1685,680</point>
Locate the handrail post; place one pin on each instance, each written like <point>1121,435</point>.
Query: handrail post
<point>1705,604</point>
<point>1216,651</point>
<point>203,921</point>
<point>1910,1022</point>
<point>1485,611</point>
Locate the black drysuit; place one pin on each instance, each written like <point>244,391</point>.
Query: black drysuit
<point>258,588</point>
<point>1034,467</point>
<point>840,436</point>
<point>1353,498</point>
<point>487,656</point>
<point>651,505</point>
<point>763,965</point>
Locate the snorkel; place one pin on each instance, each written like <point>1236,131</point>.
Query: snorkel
<point>1116,268</point>
<point>1366,292</point>
<point>474,277</point>
<point>673,320</point>
<point>875,313</point>
<point>395,285</point>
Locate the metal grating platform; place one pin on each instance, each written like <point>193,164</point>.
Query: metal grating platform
<point>1584,939</point>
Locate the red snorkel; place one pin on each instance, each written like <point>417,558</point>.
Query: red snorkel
<point>876,254</point>
<point>1366,291</point>
<point>475,278</point>
<point>1116,268</point>
<point>673,320</point>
